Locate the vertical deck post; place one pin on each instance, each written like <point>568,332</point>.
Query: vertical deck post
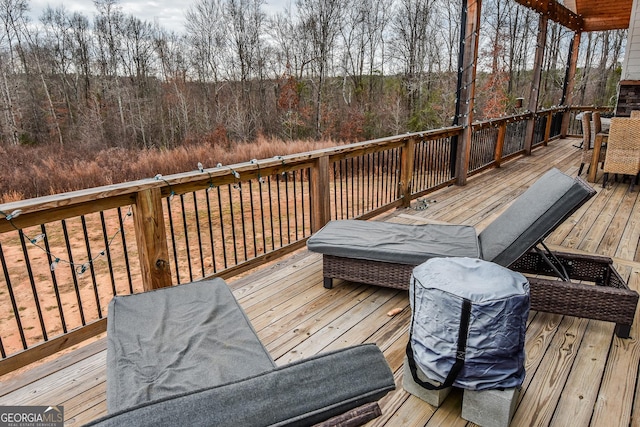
<point>406,172</point>
<point>535,84</point>
<point>320,194</point>
<point>547,130</point>
<point>467,91</point>
<point>502,131</point>
<point>153,250</point>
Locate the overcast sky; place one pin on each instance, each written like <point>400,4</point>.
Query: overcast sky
<point>168,13</point>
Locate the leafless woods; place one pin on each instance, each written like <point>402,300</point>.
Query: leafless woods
<point>322,69</point>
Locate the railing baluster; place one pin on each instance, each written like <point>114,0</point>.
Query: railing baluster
<point>273,237</point>
<point>107,253</point>
<point>264,231</point>
<point>242,224</point>
<point>73,272</point>
<point>172,230</point>
<point>295,204</point>
<point>34,291</point>
<point>54,281</point>
<point>222,233</point>
<point>343,189</point>
<point>233,224</point>
<point>309,205</point>
<point>253,219</point>
<point>279,208</point>
<point>186,238</point>
<point>124,249</point>
<point>211,234</point>
<point>352,198</point>
<point>286,204</point>
<point>198,232</point>
<point>12,297</point>
<point>91,266</point>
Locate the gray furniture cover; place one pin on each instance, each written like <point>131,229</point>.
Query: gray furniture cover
<point>496,301</point>
<point>528,220</point>
<point>188,355</point>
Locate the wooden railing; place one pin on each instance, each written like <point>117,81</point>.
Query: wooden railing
<point>65,256</point>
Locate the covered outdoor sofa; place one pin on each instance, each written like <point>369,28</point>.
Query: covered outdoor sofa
<point>384,254</point>
<point>188,355</point>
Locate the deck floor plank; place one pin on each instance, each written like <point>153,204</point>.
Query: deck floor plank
<point>616,397</point>
<point>619,222</point>
<point>629,242</point>
<point>581,391</point>
<point>578,373</point>
<point>539,400</point>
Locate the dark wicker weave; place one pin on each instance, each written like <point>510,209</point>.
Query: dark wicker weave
<point>608,298</point>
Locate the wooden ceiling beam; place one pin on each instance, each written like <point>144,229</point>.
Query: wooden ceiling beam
<point>602,15</point>
<point>556,12</point>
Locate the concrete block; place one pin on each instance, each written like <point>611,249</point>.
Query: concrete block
<point>489,408</point>
<point>432,397</point>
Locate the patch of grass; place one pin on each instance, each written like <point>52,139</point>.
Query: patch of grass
<point>62,169</point>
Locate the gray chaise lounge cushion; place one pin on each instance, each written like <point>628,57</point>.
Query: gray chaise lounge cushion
<point>529,219</point>
<point>188,355</point>
<point>395,243</point>
<point>159,342</point>
<point>302,393</point>
<point>532,216</point>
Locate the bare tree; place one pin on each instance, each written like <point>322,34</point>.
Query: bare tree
<point>410,28</point>
<point>321,20</point>
<point>206,37</point>
<point>363,40</point>
<point>245,20</point>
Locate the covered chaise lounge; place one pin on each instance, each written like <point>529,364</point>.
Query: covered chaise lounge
<point>384,254</point>
<point>187,355</point>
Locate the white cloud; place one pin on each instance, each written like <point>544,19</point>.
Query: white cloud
<point>169,14</point>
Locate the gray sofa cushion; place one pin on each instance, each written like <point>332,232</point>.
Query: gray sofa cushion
<point>302,393</point>
<point>532,216</point>
<point>176,340</point>
<point>395,243</point>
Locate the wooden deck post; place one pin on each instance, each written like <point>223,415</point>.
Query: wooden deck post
<point>406,172</point>
<point>502,131</point>
<point>547,129</point>
<point>570,82</point>
<point>153,251</point>
<point>467,94</point>
<point>320,194</point>
<point>535,84</point>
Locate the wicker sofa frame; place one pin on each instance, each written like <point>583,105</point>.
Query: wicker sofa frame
<point>607,296</point>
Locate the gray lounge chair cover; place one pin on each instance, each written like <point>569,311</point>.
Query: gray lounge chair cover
<point>396,243</point>
<point>188,355</point>
<point>159,342</point>
<point>527,221</point>
<point>498,300</point>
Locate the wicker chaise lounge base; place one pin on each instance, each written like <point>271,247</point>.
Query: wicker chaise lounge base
<point>607,297</point>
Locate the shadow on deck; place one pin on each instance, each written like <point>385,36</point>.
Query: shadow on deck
<point>578,372</point>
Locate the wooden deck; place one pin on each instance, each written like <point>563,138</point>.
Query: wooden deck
<point>578,372</point>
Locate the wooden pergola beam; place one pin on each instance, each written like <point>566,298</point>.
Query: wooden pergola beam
<point>556,12</point>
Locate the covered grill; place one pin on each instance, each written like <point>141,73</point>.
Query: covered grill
<point>468,325</point>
